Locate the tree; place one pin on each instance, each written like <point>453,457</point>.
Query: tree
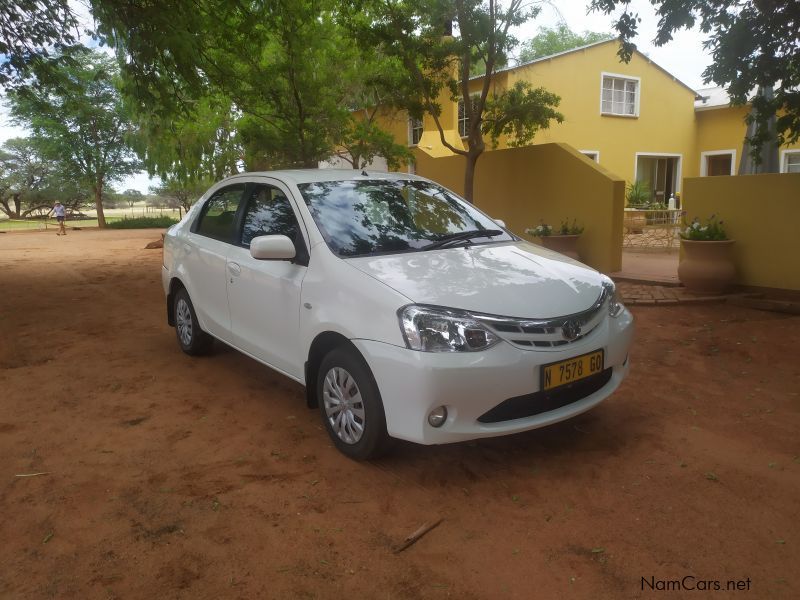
<point>552,40</point>
<point>754,44</point>
<point>78,120</point>
<point>131,197</point>
<point>181,194</point>
<point>278,63</point>
<point>33,34</point>
<point>23,176</point>
<point>414,33</point>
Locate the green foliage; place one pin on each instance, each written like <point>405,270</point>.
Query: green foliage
<point>276,73</point>
<point>519,113</point>
<point>637,194</point>
<point>552,40</point>
<point>24,175</point>
<point>181,193</point>
<point>196,145</point>
<point>541,230</point>
<point>712,231</point>
<point>143,223</point>
<point>78,122</point>
<point>33,37</point>
<point>568,228</point>
<point>362,141</point>
<point>753,44</point>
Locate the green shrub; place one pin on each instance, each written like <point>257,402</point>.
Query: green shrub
<point>143,223</point>
<point>712,231</point>
<point>637,194</point>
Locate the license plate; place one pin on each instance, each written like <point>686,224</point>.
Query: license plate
<point>572,369</point>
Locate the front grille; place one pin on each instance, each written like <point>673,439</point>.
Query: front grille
<point>542,402</point>
<point>548,333</point>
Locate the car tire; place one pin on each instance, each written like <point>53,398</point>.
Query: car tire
<point>351,405</point>
<point>191,338</point>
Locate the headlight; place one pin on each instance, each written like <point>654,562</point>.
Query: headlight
<point>441,330</point>
<point>615,306</point>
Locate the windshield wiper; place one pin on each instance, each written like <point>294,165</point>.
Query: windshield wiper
<point>462,236</point>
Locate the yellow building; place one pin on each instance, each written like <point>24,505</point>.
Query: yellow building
<point>635,119</point>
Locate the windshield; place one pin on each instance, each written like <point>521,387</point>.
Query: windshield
<point>357,218</point>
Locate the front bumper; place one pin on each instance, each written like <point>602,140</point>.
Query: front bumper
<point>470,384</point>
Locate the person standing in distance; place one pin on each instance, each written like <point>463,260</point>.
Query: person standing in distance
<point>60,213</point>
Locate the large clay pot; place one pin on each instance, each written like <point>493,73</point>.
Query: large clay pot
<point>565,244</point>
<point>707,267</point>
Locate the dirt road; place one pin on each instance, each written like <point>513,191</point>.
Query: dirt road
<point>172,477</point>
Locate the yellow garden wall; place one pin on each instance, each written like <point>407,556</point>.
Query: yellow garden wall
<point>549,182</point>
<point>761,212</point>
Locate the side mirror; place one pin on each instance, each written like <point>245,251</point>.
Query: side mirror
<point>500,222</point>
<point>272,247</point>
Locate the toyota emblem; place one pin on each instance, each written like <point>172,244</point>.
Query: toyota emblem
<point>571,330</point>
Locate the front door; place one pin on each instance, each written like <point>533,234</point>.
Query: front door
<point>661,173</point>
<point>264,295</point>
<point>206,255</point>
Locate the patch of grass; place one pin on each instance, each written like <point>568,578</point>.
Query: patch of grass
<point>143,223</point>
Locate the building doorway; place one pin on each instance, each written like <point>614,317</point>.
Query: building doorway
<point>662,172</point>
<point>718,162</point>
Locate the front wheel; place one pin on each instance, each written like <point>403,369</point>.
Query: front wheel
<point>192,340</point>
<point>351,405</point>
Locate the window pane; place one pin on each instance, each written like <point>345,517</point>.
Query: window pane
<point>618,96</point>
<point>414,131</point>
<point>793,162</point>
<point>219,214</point>
<point>268,213</point>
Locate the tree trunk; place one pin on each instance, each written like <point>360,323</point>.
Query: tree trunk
<point>17,205</point>
<point>469,175</point>
<point>98,204</point>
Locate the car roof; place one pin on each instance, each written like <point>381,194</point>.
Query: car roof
<point>300,176</point>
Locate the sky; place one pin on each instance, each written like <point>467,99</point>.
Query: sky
<point>684,57</point>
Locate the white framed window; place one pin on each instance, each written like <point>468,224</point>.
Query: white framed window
<point>463,119</point>
<point>591,154</point>
<point>414,131</point>
<point>619,95</point>
<point>790,161</point>
<point>718,162</point>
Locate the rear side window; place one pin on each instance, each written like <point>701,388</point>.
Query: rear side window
<point>268,212</point>
<point>219,214</point>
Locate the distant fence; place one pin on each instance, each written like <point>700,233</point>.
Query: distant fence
<point>762,213</point>
<point>545,182</point>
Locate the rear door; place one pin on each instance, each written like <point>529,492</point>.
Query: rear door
<point>208,243</point>
<point>264,295</point>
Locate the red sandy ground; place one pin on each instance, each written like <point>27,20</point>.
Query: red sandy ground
<point>173,477</point>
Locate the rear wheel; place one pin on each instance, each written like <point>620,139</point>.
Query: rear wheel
<point>351,405</point>
<point>192,340</point>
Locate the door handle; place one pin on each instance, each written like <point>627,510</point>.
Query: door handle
<point>234,269</point>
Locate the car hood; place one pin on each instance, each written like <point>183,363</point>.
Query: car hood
<point>516,279</point>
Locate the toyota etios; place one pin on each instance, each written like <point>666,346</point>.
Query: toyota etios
<point>405,311</point>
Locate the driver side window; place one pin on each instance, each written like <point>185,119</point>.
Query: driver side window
<point>268,212</point>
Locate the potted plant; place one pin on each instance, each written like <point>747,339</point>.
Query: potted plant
<point>637,197</point>
<point>706,265</point>
<point>563,240</point>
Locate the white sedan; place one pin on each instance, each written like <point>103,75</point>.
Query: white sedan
<point>405,311</point>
